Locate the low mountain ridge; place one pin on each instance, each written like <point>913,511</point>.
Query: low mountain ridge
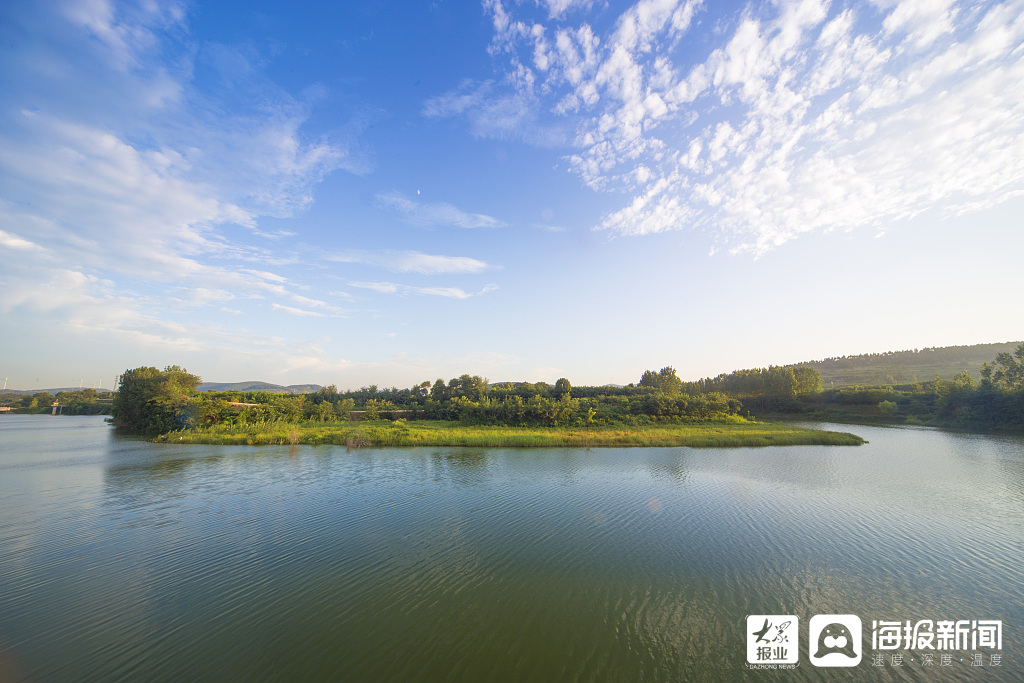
<point>259,386</point>
<point>906,367</point>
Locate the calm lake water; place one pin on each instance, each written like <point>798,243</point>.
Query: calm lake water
<point>126,560</point>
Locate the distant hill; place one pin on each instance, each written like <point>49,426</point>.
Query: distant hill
<point>260,386</point>
<point>905,367</point>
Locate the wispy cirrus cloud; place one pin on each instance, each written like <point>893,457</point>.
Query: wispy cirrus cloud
<point>802,115</point>
<point>119,172</point>
<point>400,289</point>
<point>432,214</point>
<point>70,302</point>
<point>207,295</point>
<point>300,312</point>
<point>127,34</point>
<point>16,243</point>
<point>498,113</point>
<point>558,8</point>
<point>412,262</point>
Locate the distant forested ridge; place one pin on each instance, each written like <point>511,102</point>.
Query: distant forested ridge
<point>260,386</point>
<point>906,367</point>
<point>992,402</point>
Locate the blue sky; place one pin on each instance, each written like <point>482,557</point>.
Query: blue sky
<point>392,192</point>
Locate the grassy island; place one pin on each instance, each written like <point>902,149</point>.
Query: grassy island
<point>385,433</point>
<point>466,411</point>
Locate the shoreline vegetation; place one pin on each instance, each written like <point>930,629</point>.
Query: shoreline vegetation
<point>391,433</point>
<point>465,411</point>
<point>658,410</point>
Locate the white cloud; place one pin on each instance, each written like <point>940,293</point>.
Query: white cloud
<point>558,8</point>
<point>639,27</point>
<point>413,262</point>
<point>121,208</point>
<point>429,264</point>
<point>446,292</point>
<point>300,312</point>
<point>125,173</point>
<point>802,116</point>
<point>79,303</point>
<point>206,295</point>
<point>435,213</point>
<point>315,303</point>
<point>126,38</point>
<point>380,287</point>
<point>17,243</point>
<point>493,112</point>
<point>922,21</point>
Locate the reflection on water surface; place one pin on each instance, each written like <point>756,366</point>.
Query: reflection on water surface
<point>121,559</point>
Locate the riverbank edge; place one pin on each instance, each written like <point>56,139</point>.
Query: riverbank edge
<point>383,433</point>
<point>845,418</point>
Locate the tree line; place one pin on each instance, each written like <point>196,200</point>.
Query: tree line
<point>81,402</point>
<point>152,401</point>
<point>993,403</point>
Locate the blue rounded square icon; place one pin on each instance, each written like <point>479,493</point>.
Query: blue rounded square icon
<point>773,639</point>
<point>835,640</point>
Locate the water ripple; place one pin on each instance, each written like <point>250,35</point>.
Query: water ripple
<point>156,562</point>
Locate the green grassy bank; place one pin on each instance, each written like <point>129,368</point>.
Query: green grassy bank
<point>443,433</point>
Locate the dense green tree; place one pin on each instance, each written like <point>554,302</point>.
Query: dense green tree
<point>563,387</point>
<point>151,400</point>
<point>40,399</point>
<point>664,381</point>
<point>668,382</point>
<point>887,407</point>
<point>963,380</point>
<point>136,390</point>
<point>649,379</point>
<point>1009,369</point>
<point>212,409</point>
<point>986,375</point>
<point>472,387</point>
<point>328,393</point>
<point>377,408</point>
<point>439,392</point>
<point>344,408</point>
<point>780,389</point>
<point>323,412</point>
<point>808,380</point>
